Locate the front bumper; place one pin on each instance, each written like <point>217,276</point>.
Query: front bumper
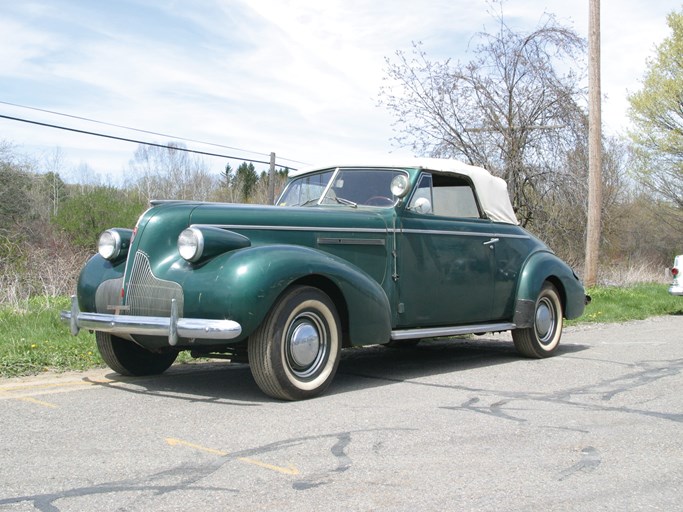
<point>173,326</point>
<point>676,289</point>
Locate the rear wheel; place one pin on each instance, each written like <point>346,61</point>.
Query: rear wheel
<point>294,354</point>
<point>543,337</point>
<point>128,358</point>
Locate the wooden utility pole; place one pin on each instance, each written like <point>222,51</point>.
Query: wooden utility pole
<point>271,179</point>
<point>594,147</point>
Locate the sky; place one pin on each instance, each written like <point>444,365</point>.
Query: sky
<point>300,78</point>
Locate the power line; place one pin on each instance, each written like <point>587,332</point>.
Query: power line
<point>154,144</point>
<point>90,120</point>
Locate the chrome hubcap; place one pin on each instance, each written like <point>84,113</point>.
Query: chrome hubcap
<point>304,344</point>
<point>307,345</point>
<point>545,318</point>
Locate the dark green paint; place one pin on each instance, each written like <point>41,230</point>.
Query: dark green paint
<point>386,268</point>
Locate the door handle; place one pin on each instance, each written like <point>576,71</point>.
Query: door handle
<point>491,242</point>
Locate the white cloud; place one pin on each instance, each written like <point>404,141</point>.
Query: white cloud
<point>299,77</point>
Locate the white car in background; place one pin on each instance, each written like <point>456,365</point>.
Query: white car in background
<point>676,287</point>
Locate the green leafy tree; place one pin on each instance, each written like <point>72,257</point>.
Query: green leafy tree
<point>657,114</point>
<point>83,217</point>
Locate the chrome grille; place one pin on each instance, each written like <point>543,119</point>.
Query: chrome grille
<point>108,294</point>
<point>146,295</point>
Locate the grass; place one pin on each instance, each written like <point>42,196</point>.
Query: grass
<point>637,302</point>
<point>34,340</point>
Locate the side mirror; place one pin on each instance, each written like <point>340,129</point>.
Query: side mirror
<point>422,205</point>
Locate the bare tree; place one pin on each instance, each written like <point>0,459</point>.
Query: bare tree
<point>48,191</point>
<point>170,173</point>
<point>514,108</point>
<point>562,220</point>
<point>15,186</point>
<point>53,166</point>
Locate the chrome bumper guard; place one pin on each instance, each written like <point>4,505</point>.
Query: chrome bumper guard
<point>173,326</point>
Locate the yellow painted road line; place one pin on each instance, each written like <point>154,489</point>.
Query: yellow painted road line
<point>46,388</point>
<point>37,402</point>
<point>289,470</point>
<point>27,391</point>
<point>179,442</point>
<point>44,385</point>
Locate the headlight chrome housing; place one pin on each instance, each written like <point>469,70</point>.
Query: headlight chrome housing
<point>110,244</point>
<point>400,185</point>
<point>197,244</point>
<point>191,244</point>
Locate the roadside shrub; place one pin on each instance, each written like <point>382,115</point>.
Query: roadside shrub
<point>33,267</point>
<point>84,216</point>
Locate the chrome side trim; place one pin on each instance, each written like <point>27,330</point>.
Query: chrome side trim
<point>435,332</point>
<point>351,241</point>
<point>247,227</point>
<point>172,326</point>
<point>261,227</point>
<point>461,233</point>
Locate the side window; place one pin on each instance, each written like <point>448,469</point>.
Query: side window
<point>448,196</point>
<point>422,200</point>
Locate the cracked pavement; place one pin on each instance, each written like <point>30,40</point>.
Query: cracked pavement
<point>462,424</point>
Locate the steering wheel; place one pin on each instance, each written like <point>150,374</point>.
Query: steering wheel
<point>379,201</point>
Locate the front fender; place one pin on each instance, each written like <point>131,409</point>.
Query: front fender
<point>99,284</point>
<point>544,266</point>
<point>243,286</point>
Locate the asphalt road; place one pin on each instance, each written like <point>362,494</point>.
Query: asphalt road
<point>460,425</point>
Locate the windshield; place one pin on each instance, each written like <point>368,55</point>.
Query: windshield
<point>305,190</point>
<point>350,187</point>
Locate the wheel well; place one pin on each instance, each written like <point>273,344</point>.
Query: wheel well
<point>333,292</point>
<point>555,281</point>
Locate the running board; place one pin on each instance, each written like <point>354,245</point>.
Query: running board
<point>435,332</point>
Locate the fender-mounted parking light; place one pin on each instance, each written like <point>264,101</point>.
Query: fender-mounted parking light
<point>198,243</point>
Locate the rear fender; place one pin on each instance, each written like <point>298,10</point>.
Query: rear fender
<point>541,267</point>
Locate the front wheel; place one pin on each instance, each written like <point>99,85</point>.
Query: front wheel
<point>128,358</point>
<point>294,354</point>
<point>543,337</point>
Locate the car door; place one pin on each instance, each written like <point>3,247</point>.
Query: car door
<point>445,256</point>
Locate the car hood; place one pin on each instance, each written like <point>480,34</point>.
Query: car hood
<point>265,219</point>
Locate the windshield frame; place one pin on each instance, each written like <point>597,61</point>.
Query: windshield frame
<point>325,199</point>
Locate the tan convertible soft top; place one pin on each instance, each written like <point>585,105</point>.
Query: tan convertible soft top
<point>491,190</point>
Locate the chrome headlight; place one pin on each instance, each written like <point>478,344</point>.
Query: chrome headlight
<point>109,244</point>
<point>191,244</point>
<point>399,185</point>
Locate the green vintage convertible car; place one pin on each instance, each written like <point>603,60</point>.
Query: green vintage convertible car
<point>350,255</point>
